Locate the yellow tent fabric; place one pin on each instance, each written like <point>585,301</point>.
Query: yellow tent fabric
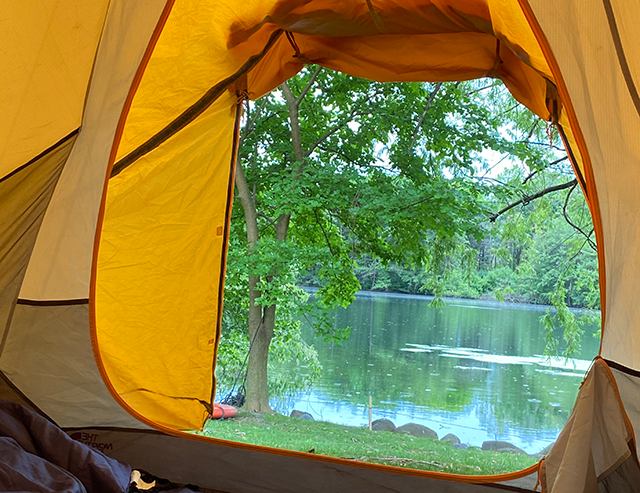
<point>117,145</point>
<point>46,58</point>
<point>159,267</point>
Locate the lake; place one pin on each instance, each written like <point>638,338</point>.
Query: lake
<point>472,368</point>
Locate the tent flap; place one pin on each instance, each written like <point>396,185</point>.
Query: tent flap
<point>597,441</point>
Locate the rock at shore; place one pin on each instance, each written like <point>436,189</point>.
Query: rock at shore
<point>451,438</point>
<point>383,425</point>
<point>302,415</point>
<point>497,446</point>
<point>417,430</point>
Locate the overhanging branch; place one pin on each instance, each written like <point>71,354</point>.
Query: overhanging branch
<point>529,198</point>
<point>565,213</point>
<point>352,114</point>
<point>328,134</point>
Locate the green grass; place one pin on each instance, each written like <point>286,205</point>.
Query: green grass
<point>347,442</point>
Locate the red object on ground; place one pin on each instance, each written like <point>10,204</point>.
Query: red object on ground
<point>222,411</point>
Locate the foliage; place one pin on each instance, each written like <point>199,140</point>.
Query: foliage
<point>288,349</point>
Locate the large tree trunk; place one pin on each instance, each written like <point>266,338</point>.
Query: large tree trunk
<point>262,319</point>
<point>262,322</point>
<point>261,333</point>
<point>257,398</point>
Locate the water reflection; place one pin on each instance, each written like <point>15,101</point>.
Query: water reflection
<point>471,368</point>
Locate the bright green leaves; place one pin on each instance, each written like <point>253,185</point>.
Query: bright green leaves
<point>561,318</point>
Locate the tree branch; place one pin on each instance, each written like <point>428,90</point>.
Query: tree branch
<point>326,237</point>
<point>528,198</point>
<point>351,161</point>
<point>248,205</point>
<point>251,123</point>
<point>496,164</point>
<point>345,122</point>
<point>543,144</point>
<point>575,226</point>
<point>263,216</point>
<point>587,240</point>
<point>432,96</point>
<point>327,135</point>
<point>294,117</point>
<point>304,92</point>
<point>509,110</point>
<point>531,175</point>
<point>483,88</point>
<point>533,129</point>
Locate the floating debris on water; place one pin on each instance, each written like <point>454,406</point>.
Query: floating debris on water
<point>556,363</point>
<point>479,368</point>
<point>561,373</point>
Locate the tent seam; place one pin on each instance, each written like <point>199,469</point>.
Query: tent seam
<point>116,140</point>
<point>193,111</point>
<point>95,58</point>
<point>66,302</point>
<point>41,155</point>
<point>622,58</point>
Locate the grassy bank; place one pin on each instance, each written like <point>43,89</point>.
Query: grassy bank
<point>380,447</point>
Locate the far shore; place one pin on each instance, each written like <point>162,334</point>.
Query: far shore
<point>512,304</point>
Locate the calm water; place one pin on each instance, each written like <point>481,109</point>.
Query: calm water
<point>471,368</point>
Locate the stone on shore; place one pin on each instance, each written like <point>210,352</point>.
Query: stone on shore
<point>301,414</point>
<point>417,430</point>
<point>544,452</point>
<point>451,438</point>
<point>498,446</point>
<point>383,425</point>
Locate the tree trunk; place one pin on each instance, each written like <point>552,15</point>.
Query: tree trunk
<point>262,319</point>
<point>257,398</point>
